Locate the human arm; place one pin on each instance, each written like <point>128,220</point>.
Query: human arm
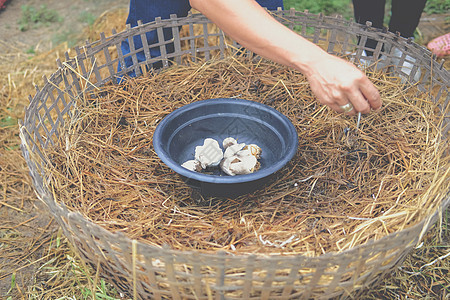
<point>334,81</point>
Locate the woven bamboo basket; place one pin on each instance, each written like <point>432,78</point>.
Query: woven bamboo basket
<point>144,271</point>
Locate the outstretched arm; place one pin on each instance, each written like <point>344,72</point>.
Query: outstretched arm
<point>334,81</point>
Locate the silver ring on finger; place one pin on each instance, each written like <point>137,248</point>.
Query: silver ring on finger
<point>347,107</point>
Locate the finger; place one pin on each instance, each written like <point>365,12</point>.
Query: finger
<point>339,98</point>
<point>359,102</point>
<point>349,95</point>
<point>332,98</point>
<point>336,107</point>
<point>345,109</point>
<point>371,94</point>
<point>351,112</point>
<point>339,101</point>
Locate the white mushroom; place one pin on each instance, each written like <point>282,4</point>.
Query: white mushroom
<point>210,154</point>
<point>192,165</point>
<point>239,165</point>
<point>253,149</point>
<point>229,141</point>
<point>237,159</point>
<point>225,165</point>
<point>233,149</point>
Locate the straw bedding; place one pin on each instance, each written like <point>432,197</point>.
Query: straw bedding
<point>345,186</point>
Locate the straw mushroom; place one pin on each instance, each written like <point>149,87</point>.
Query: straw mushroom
<point>233,149</point>
<point>240,158</point>
<point>252,149</point>
<point>210,154</point>
<point>229,141</point>
<point>192,165</point>
<point>239,165</point>
<point>237,159</point>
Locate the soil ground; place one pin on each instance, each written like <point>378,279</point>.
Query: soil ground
<point>74,14</point>
<point>25,227</point>
<point>24,216</point>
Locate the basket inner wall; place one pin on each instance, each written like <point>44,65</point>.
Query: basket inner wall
<point>158,270</point>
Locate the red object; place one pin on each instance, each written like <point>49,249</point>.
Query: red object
<point>3,4</point>
<point>440,45</point>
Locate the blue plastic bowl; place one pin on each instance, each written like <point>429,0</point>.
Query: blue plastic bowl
<point>177,135</point>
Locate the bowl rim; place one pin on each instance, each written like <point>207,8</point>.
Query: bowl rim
<point>217,179</point>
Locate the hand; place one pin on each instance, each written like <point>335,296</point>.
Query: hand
<point>336,82</point>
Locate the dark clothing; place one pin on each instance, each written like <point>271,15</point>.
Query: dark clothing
<point>405,16</point>
<point>148,10</point>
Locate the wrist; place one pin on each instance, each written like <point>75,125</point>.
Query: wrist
<point>307,58</point>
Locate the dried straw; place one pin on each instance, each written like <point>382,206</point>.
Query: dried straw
<point>344,187</point>
<point>26,227</point>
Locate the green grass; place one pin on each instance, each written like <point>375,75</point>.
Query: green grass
<point>30,50</point>
<point>327,7</point>
<point>6,120</point>
<point>87,17</point>
<point>65,276</point>
<point>33,17</point>
<point>13,283</point>
<point>70,36</point>
<point>437,7</point>
<point>345,8</point>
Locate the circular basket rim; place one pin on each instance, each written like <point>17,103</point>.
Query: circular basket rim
<point>84,232</point>
<point>68,66</point>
